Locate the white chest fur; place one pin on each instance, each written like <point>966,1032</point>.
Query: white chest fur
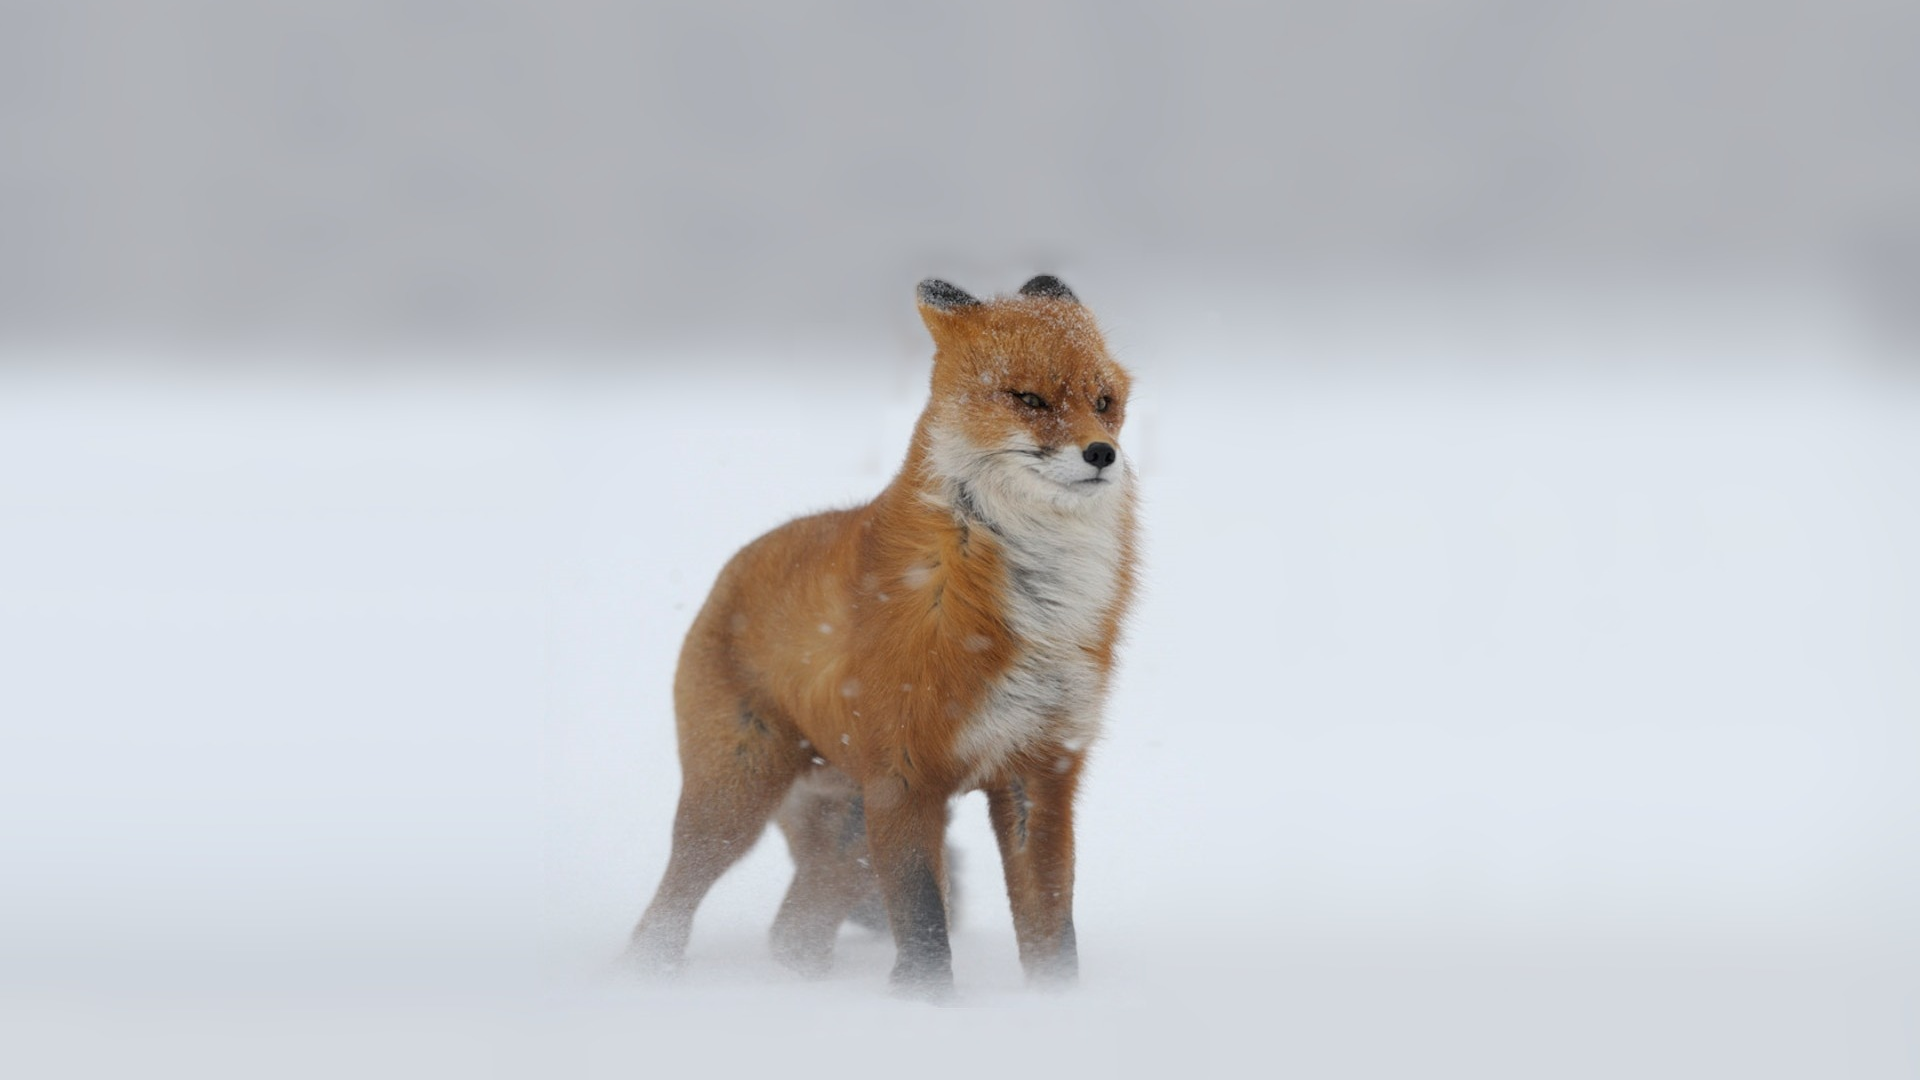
<point>1062,559</point>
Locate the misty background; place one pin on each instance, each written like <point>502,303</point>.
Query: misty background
<point>606,175</point>
<point>1529,435</point>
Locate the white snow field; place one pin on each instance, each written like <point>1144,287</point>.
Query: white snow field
<point>1553,715</point>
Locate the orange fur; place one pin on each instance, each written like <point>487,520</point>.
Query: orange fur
<point>860,652</point>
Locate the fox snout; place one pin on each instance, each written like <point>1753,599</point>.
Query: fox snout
<point>1095,469</point>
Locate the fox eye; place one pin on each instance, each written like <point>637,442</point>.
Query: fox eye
<point>1031,401</point>
<point>1103,404</point>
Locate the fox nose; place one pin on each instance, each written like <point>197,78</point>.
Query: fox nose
<point>1100,455</point>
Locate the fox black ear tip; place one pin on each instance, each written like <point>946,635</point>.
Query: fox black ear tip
<point>1049,286</point>
<point>943,295</point>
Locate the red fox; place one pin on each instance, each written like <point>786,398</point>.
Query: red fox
<point>853,671</point>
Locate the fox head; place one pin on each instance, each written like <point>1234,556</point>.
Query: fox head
<point>1027,406</point>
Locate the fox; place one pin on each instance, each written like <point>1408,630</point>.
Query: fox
<point>852,672</point>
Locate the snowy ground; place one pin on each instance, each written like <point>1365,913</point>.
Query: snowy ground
<point>1546,719</point>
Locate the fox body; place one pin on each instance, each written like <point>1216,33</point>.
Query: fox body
<point>853,671</point>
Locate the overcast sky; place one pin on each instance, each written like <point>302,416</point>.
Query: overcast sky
<point>583,173</point>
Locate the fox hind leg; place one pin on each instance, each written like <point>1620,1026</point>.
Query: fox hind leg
<point>737,767</point>
<point>826,830</point>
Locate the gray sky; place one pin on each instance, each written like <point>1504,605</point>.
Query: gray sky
<point>581,173</point>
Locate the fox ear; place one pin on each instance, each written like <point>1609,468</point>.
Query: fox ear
<point>941,306</point>
<point>943,296</point>
<point>1049,286</point>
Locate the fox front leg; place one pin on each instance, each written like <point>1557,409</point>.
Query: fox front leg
<point>1032,814</point>
<point>906,833</point>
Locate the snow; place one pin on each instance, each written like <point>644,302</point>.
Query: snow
<point>1472,723</point>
